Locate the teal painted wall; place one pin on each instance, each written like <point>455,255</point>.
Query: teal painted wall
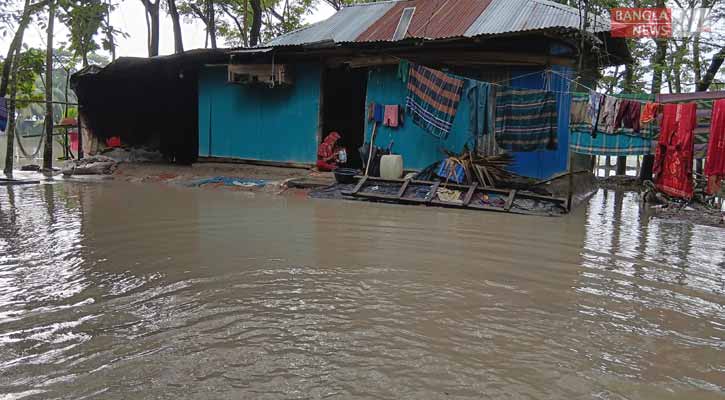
<point>418,148</point>
<point>545,163</point>
<point>259,123</point>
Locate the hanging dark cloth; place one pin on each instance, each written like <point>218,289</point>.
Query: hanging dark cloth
<point>481,116</point>
<point>478,93</point>
<point>403,70</point>
<point>628,115</point>
<point>594,108</point>
<point>526,120</point>
<point>608,114</point>
<point>378,113</point>
<point>3,114</point>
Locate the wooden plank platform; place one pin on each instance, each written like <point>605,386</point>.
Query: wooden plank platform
<point>468,192</point>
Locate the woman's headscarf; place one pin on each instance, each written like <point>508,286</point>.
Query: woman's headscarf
<point>327,147</point>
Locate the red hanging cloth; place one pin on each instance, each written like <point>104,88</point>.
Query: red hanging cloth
<point>673,161</point>
<point>668,127</point>
<point>715,165</point>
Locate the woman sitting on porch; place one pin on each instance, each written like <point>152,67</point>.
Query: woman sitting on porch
<point>328,154</point>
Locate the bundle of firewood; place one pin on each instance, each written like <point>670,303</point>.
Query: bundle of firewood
<point>487,171</point>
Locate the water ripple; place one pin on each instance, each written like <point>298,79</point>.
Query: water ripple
<point>116,291</point>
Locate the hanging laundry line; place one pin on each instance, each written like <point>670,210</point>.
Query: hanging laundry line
<point>500,83</point>
<point>572,81</point>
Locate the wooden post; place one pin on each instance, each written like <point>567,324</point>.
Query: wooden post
<point>621,165</point>
<point>570,193</point>
<point>639,165</point>
<point>48,150</point>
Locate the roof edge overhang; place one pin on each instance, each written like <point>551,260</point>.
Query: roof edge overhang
<point>612,51</point>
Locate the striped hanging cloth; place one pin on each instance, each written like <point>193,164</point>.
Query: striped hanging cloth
<point>604,144</point>
<point>526,120</point>
<point>624,142</point>
<point>433,98</point>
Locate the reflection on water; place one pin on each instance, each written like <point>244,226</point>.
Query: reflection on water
<point>127,291</point>
<point>34,154</point>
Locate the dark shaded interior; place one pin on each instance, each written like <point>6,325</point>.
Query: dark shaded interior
<point>344,108</point>
<point>147,102</point>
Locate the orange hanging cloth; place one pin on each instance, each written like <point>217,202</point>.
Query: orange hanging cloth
<point>649,113</point>
<point>715,165</point>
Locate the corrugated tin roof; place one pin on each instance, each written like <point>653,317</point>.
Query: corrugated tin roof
<point>431,19</point>
<point>437,19</point>
<point>344,26</point>
<point>504,16</point>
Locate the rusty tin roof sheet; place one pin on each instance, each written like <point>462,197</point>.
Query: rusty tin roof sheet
<point>437,19</point>
<point>505,16</point>
<point>344,26</point>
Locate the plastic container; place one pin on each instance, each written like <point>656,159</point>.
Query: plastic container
<point>391,166</point>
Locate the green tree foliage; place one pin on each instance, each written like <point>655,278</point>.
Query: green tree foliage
<point>233,20</point>
<point>676,64</point>
<point>30,65</point>
<point>85,19</point>
<point>338,4</point>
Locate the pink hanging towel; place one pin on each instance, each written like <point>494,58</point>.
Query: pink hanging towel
<point>391,116</point>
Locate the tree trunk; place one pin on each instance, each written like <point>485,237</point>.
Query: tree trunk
<point>174,13</point>
<point>245,33</point>
<point>715,64</point>
<point>155,30</point>
<point>658,65</point>
<point>696,65</point>
<point>256,29</point>
<point>14,46</point>
<point>10,131</point>
<point>240,27</point>
<point>48,150</point>
<point>152,25</point>
<point>109,33</point>
<point>211,23</point>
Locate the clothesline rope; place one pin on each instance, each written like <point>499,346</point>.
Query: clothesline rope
<point>498,83</point>
<point>572,81</point>
<point>546,71</point>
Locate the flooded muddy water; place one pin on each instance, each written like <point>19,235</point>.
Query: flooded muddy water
<point>116,291</point>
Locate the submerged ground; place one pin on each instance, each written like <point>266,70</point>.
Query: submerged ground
<point>121,290</point>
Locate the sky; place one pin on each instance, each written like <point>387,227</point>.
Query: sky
<point>129,18</point>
